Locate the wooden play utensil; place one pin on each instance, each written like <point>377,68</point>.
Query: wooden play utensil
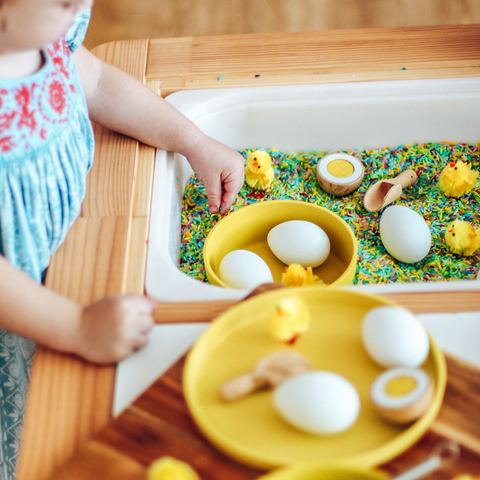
<point>445,453</point>
<point>268,373</point>
<point>203,311</point>
<point>384,192</point>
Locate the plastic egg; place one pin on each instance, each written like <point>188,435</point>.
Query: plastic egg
<point>405,234</point>
<point>244,269</point>
<point>394,337</point>
<point>317,402</point>
<point>299,241</point>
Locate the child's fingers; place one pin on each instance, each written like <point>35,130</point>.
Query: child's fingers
<point>227,201</point>
<point>213,188</point>
<point>140,342</point>
<point>231,186</point>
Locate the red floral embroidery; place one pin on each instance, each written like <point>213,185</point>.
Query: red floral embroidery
<point>27,117</point>
<point>60,66</point>
<point>6,121</point>
<point>6,144</point>
<point>57,96</point>
<point>31,110</point>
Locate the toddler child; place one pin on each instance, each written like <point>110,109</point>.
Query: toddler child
<point>50,88</point>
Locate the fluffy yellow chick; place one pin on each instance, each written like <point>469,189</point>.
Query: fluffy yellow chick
<point>462,238</point>
<point>258,170</point>
<point>168,468</point>
<point>295,275</point>
<point>457,178</point>
<point>290,320</point>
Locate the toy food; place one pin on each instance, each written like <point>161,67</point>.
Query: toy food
<point>269,372</point>
<point>297,276</point>
<point>339,174</point>
<point>299,241</point>
<point>401,395</point>
<point>462,238</point>
<point>244,269</point>
<point>290,319</point>
<point>457,178</point>
<point>168,468</point>
<point>258,170</point>
<point>317,402</point>
<point>394,337</point>
<point>405,234</point>
<point>384,192</point>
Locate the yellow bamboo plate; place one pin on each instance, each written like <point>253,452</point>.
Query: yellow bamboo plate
<point>250,430</point>
<point>316,472</point>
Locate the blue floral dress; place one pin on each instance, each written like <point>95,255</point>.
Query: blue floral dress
<point>46,151</point>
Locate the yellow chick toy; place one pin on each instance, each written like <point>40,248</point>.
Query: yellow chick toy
<point>290,320</point>
<point>457,178</point>
<point>462,238</point>
<point>295,275</point>
<point>258,170</point>
<point>168,468</point>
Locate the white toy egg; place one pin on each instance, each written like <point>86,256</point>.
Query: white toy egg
<point>244,269</point>
<point>394,337</point>
<point>317,402</point>
<point>405,234</point>
<point>299,241</point>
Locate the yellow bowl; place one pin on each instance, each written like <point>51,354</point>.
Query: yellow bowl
<point>247,228</point>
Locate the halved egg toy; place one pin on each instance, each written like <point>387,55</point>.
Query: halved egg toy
<point>339,174</point>
<point>401,395</point>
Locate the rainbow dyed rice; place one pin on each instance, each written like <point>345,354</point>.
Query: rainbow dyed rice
<point>295,179</point>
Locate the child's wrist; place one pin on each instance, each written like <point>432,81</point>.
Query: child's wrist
<point>70,338</point>
<point>193,144</point>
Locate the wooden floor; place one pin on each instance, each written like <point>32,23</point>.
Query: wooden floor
<point>127,19</point>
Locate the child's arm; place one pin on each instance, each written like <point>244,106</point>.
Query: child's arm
<point>123,104</point>
<point>103,332</point>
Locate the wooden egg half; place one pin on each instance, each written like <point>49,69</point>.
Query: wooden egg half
<point>339,174</point>
<point>401,395</point>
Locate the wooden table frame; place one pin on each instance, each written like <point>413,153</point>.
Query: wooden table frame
<point>69,399</point>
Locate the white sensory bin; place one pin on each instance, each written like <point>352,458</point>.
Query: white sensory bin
<point>307,117</point>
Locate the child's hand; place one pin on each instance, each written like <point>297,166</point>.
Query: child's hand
<point>114,327</point>
<point>221,170</point>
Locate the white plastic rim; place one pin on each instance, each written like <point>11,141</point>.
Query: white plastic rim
<point>331,157</point>
<point>382,399</point>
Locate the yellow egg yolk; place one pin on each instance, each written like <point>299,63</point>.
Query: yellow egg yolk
<point>400,386</point>
<point>340,168</point>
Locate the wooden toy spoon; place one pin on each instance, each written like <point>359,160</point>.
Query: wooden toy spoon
<point>268,373</point>
<point>444,454</point>
<point>384,192</point>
